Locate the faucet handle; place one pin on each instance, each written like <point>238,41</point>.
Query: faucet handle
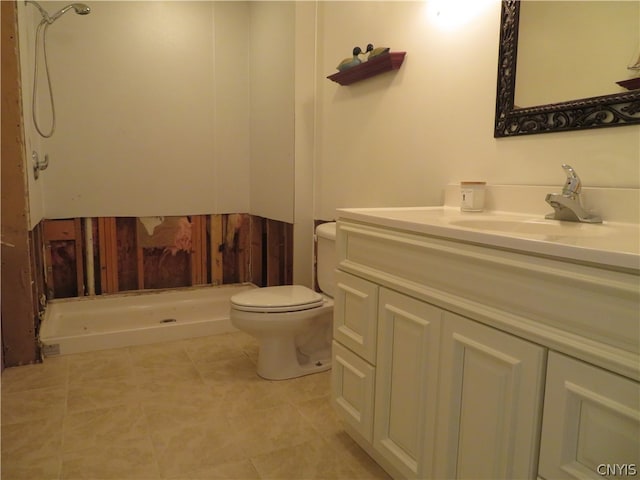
<point>573,185</point>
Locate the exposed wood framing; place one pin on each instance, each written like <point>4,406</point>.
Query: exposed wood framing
<point>156,253</point>
<point>127,252</point>
<point>140,261</point>
<point>19,318</point>
<point>56,231</point>
<point>279,248</point>
<point>108,254</point>
<point>216,236</point>
<point>256,250</point>
<point>198,250</point>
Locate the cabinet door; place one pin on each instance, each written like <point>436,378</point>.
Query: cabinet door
<point>355,315</point>
<point>406,381</point>
<point>591,425</point>
<point>489,403</point>
<point>352,384</point>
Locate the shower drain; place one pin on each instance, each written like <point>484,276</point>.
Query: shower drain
<point>168,320</point>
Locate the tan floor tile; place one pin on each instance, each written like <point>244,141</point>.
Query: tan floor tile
<point>232,370</point>
<point>31,450</point>
<point>132,459</point>
<point>300,389</point>
<point>310,460</point>
<point>190,410</point>
<point>160,355</point>
<point>190,448</point>
<point>90,366</point>
<point>320,413</point>
<point>36,404</point>
<point>27,441</point>
<point>205,350</point>
<point>246,398</point>
<point>170,410</point>
<point>35,467</point>
<point>104,427</point>
<point>356,459</point>
<point>263,431</point>
<point>108,392</point>
<point>180,374</point>
<point>53,372</point>
<point>242,470</point>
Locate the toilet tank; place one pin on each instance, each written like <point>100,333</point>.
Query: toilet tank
<point>326,261</point>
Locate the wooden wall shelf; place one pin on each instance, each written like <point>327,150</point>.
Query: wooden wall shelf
<point>630,84</point>
<point>370,68</point>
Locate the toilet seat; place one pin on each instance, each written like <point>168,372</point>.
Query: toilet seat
<point>286,298</point>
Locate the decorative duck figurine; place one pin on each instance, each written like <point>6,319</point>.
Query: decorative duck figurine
<point>375,52</point>
<point>351,61</point>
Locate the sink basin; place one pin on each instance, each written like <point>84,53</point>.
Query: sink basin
<point>533,227</point>
<point>609,243</point>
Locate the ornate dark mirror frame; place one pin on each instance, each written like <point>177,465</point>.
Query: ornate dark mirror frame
<point>604,111</point>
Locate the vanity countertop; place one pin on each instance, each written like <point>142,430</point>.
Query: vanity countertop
<point>610,244</point>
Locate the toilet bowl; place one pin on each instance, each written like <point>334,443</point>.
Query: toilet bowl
<point>292,323</point>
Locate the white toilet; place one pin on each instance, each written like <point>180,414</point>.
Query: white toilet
<point>293,324</point>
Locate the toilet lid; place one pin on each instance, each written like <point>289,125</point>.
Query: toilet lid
<point>287,298</point>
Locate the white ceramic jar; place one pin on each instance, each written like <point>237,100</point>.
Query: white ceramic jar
<point>472,196</point>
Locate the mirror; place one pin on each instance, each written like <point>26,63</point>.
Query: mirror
<point>616,109</point>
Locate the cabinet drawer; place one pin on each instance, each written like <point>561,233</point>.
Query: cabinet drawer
<point>355,315</point>
<point>352,385</point>
<point>591,424</point>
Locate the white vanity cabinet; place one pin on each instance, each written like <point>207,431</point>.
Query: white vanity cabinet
<point>354,350</point>
<point>591,426</point>
<point>406,382</point>
<point>490,393</point>
<point>385,353</point>
<point>440,357</point>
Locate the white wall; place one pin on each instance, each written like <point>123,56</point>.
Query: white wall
<point>154,115</point>
<point>397,139</point>
<point>272,54</point>
<point>305,123</point>
<point>147,124</point>
<point>28,18</point>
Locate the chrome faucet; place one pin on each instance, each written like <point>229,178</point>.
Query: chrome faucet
<point>568,204</point>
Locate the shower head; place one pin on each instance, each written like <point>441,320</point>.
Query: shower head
<point>79,8</point>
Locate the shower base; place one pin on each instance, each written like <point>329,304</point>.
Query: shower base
<point>86,324</point>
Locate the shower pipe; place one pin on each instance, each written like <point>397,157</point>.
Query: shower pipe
<point>47,20</point>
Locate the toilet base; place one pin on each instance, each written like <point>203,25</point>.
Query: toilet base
<point>280,359</point>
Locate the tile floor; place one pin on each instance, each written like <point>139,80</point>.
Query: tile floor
<point>191,409</point>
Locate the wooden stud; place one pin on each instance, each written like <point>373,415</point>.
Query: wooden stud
<point>216,235</point>
<point>139,257</point>
<point>256,249</point>
<point>198,250</point>
<point>108,254</point>
<point>127,255</point>
<point>244,248</point>
<point>287,258</point>
<point>79,247</point>
<point>274,252</point>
